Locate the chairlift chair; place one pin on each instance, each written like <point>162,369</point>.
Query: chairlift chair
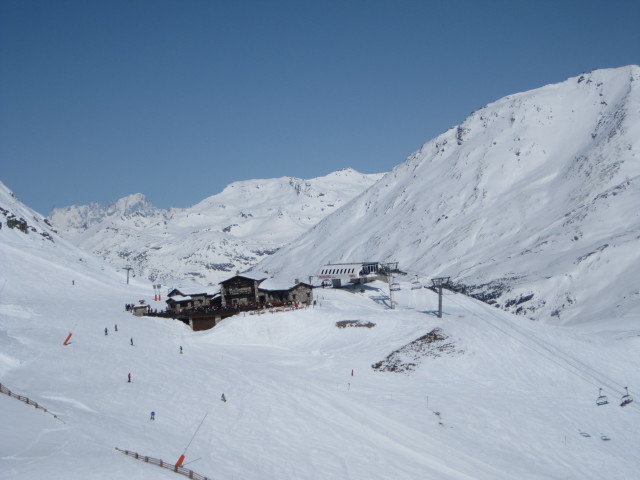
<point>626,398</point>
<point>415,285</point>
<point>602,399</point>
<point>395,287</point>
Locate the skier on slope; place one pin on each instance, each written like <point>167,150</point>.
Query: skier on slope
<point>106,332</point>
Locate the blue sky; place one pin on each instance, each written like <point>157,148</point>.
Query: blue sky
<point>177,99</point>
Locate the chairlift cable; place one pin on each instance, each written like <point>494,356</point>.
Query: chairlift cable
<point>522,342</point>
<point>564,356</point>
<point>575,363</point>
<point>577,371</point>
<point>580,368</point>
<point>557,352</point>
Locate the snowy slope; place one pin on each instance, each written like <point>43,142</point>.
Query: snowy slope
<point>229,231</point>
<point>531,202</point>
<point>492,397</point>
<point>32,234</point>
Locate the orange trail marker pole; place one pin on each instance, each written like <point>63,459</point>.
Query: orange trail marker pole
<point>66,342</point>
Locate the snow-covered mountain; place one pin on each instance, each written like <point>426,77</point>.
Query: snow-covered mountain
<point>30,234</point>
<point>229,231</point>
<point>74,220</point>
<point>345,389</point>
<point>532,202</point>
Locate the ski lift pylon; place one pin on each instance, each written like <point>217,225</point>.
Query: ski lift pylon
<point>626,398</point>
<point>602,399</point>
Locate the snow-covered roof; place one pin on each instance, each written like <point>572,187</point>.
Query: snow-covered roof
<point>210,291</point>
<point>252,274</point>
<point>272,284</point>
<point>199,294</point>
<point>180,298</point>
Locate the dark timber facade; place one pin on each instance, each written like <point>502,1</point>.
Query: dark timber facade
<point>259,292</point>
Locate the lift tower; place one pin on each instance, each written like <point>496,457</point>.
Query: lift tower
<point>438,283</point>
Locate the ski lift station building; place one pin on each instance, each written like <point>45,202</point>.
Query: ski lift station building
<point>339,274</point>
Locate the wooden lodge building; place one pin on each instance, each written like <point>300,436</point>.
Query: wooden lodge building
<point>255,289</point>
<point>243,292</point>
<point>176,300</point>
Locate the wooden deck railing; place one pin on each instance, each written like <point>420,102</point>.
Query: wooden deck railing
<point>26,400</point>
<point>160,463</point>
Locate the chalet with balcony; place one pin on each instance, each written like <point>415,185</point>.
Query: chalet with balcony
<point>254,289</point>
<point>178,301</point>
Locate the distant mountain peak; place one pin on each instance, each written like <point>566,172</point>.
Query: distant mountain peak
<point>231,230</point>
<point>134,204</point>
<point>75,219</point>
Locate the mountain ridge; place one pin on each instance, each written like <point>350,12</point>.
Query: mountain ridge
<point>223,233</point>
<point>538,184</point>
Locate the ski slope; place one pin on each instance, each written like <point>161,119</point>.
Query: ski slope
<point>507,400</point>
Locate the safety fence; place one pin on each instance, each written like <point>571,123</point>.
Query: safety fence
<point>160,463</point>
<point>26,400</point>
